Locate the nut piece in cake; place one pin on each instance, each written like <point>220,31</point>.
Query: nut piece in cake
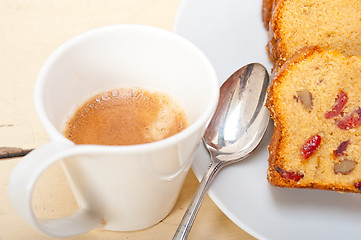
<point>344,166</point>
<point>305,97</point>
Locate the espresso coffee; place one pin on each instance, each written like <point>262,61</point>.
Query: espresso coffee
<point>126,116</point>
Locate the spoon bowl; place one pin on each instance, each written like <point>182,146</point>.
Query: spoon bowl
<point>235,130</point>
<point>241,119</point>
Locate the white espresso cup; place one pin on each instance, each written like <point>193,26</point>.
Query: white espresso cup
<point>120,188</point>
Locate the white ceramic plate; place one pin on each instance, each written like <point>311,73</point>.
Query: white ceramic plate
<point>231,34</point>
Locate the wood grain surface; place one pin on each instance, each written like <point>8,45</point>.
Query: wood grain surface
<point>30,30</point>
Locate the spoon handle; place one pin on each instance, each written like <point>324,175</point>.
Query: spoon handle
<point>189,216</point>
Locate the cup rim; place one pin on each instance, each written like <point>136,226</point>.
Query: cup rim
<point>54,134</point>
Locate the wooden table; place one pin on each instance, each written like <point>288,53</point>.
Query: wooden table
<point>29,32</point>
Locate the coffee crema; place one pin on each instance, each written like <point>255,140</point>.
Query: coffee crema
<point>126,116</point>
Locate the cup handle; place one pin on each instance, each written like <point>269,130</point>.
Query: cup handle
<point>21,185</point>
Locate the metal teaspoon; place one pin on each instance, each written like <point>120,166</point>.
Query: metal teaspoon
<point>234,131</point>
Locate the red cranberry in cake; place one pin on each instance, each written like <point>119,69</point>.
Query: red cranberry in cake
<point>295,176</point>
<point>341,149</point>
<point>351,120</point>
<point>310,146</point>
<point>338,106</point>
<point>357,185</point>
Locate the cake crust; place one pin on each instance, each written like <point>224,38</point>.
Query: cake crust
<point>267,6</point>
